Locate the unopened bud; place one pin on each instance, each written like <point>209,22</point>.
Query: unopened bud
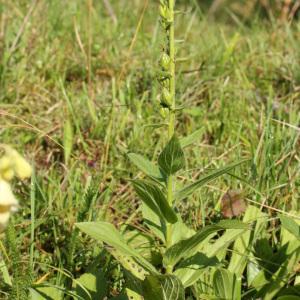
<point>166,98</point>
<point>163,112</point>
<point>165,61</point>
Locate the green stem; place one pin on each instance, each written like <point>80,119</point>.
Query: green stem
<point>171,128</point>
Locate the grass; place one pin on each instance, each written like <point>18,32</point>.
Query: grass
<point>65,87</point>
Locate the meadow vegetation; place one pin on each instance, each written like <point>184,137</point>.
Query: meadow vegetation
<point>80,94</point>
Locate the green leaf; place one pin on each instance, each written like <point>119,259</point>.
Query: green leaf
<point>163,287</point>
<point>233,224</point>
<point>120,297</point>
<point>192,138</point>
<point>45,293</point>
<point>155,199</point>
<point>283,275</point>
<point>107,233</point>
<point>91,285</point>
<point>129,264</point>
<point>180,231</point>
<point>132,295</point>
<point>214,252</point>
<point>133,286</point>
<point>290,225</point>
<point>188,247</point>
<point>226,285</point>
<point>146,166</point>
<point>289,297</point>
<point>154,222</point>
<point>4,272</point>
<point>188,190</point>
<point>220,247</point>
<point>190,269</point>
<point>171,159</point>
<point>290,291</point>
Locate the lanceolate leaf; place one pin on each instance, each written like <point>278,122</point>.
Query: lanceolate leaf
<point>188,247</point>
<point>190,270</point>
<point>188,190</point>
<point>155,200</point>
<point>91,285</point>
<point>171,159</point>
<point>107,233</point>
<point>163,287</point>
<point>129,264</point>
<point>146,166</point>
<point>154,222</point>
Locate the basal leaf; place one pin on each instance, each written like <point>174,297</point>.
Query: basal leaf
<point>91,285</point>
<point>155,199</point>
<point>107,233</point>
<point>171,159</point>
<point>146,166</point>
<point>211,254</point>
<point>129,264</point>
<point>163,287</point>
<point>47,293</point>
<point>188,190</point>
<point>188,247</point>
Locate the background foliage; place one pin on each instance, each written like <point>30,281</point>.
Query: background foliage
<point>78,92</point>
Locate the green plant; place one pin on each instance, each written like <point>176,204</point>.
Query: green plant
<point>179,258</point>
<point>240,83</point>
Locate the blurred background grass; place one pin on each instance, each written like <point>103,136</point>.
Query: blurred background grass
<point>79,91</point>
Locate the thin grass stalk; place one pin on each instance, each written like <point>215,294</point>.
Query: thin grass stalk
<point>32,226</point>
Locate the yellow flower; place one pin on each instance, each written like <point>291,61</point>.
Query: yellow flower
<point>6,168</point>
<point>8,203</point>
<point>21,167</point>
<point>12,163</point>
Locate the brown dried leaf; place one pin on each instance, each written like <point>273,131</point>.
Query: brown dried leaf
<point>233,204</point>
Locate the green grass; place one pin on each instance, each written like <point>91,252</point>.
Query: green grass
<point>238,83</point>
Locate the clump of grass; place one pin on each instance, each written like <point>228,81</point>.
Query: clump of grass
<point>240,89</point>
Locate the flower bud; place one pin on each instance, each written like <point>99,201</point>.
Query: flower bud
<point>163,11</point>
<point>163,112</point>
<point>166,98</point>
<point>165,61</point>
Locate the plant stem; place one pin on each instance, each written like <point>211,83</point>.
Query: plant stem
<point>171,128</point>
<point>32,226</point>
<point>172,70</point>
